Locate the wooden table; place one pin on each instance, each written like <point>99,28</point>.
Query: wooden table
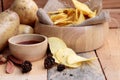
<point>107,67</point>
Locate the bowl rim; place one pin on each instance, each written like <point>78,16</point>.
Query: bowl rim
<point>64,27</point>
<point>21,35</point>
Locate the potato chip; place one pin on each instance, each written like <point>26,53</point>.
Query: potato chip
<point>77,14</point>
<point>74,59</point>
<point>64,55</point>
<point>58,16</point>
<point>74,65</point>
<point>64,21</point>
<point>56,60</point>
<point>69,12</point>
<point>55,12</point>
<point>81,18</point>
<point>61,55</point>
<point>56,44</point>
<point>69,16</point>
<point>83,7</point>
<point>93,14</point>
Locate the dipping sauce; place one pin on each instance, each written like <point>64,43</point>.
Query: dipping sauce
<point>29,42</point>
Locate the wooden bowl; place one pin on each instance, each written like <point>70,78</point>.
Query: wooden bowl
<point>30,47</point>
<point>80,39</point>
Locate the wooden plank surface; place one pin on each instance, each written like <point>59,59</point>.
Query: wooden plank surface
<point>106,3</point>
<point>111,4</point>
<point>109,55</point>
<point>7,3</point>
<point>85,72</point>
<point>0,6</point>
<point>115,18</point>
<point>37,73</point>
<point>41,3</point>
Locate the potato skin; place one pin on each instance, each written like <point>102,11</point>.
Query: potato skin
<point>26,9</point>
<point>9,22</point>
<point>25,29</point>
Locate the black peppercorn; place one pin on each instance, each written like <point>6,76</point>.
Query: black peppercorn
<point>26,66</point>
<point>49,62</point>
<point>60,67</point>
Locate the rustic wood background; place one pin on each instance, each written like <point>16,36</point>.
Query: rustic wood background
<point>108,4</point>
<point>112,5</point>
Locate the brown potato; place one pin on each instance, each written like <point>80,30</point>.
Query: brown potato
<point>25,29</point>
<point>9,22</point>
<point>26,9</point>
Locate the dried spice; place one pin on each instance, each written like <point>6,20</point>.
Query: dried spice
<point>49,62</point>
<point>14,60</point>
<point>10,67</point>
<point>26,67</point>
<point>60,67</point>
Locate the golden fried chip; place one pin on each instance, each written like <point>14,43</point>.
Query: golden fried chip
<point>58,16</point>
<point>93,14</point>
<point>64,55</point>
<point>83,7</point>
<point>81,18</point>
<point>56,60</point>
<point>56,44</point>
<point>73,65</point>
<point>74,59</point>
<point>59,21</point>
<point>70,12</point>
<point>77,14</point>
<point>55,12</point>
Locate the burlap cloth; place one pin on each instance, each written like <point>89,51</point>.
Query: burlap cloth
<point>53,5</point>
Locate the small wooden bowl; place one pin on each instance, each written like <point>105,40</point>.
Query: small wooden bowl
<point>80,39</point>
<point>30,47</point>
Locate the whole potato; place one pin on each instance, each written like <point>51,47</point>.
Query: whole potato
<point>9,22</point>
<point>25,29</point>
<point>26,9</point>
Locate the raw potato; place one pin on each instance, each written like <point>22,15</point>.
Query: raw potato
<point>25,29</point>
<point>26,9</point>
<point>9,22</point>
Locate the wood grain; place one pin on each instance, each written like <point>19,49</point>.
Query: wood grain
<point>115,18</point>
<point>109,55</point>
<point>37,73</point>
<point>106,3</point>
<point>90,71</point>
<point>111,4</point>
<point>80,39</point>
<point>41,3</point>
<point>0,6</point>
<point>7,3</point>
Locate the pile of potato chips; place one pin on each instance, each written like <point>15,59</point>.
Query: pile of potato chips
<point>64,55</point>
<point>69,16</point>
